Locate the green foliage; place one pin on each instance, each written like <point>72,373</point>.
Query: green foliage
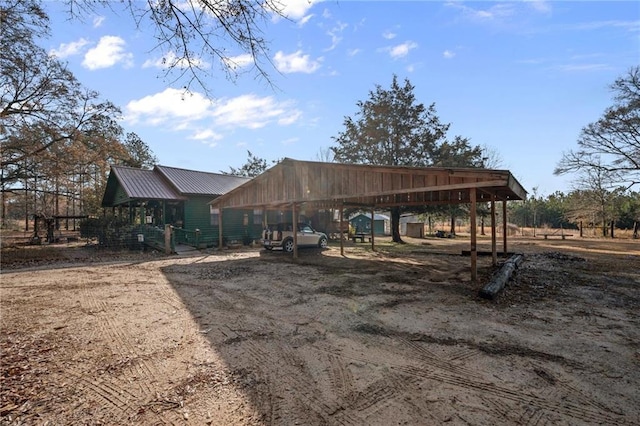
<point>252,168</point>
<point>392,128</point>
<point>139,154</point>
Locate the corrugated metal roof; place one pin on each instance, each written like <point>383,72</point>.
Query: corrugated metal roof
<point>145,184</point>
<point>200,183</point>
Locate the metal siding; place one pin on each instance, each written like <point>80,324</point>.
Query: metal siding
<point>197,216</point>
<point>121,196</point>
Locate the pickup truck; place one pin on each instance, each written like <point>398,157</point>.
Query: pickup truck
<point>281,235</point>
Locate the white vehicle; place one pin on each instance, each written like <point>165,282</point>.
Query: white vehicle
<point>281,235</point>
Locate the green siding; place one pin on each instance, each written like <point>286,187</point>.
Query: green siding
<point>363,224</point>
<point>197,215</point>
<point>121,196</point>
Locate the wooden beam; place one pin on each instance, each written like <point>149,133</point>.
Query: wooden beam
<point>295,231</point>
<point>340,231</point>
<point>373,247</point>
<point>494,251</point>
<point>474,248</point>
<point>220,236</point>
<point>504,228</point>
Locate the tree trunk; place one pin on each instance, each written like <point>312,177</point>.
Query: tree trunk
<point>453,224</point>
<point>613,224</point>
<point>395,225</point>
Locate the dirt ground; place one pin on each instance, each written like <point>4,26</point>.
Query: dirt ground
<point>249,337</point>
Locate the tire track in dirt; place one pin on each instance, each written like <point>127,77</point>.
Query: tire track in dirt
<point>131,375</point>
<point>563,406</point>
<point>340,377</point>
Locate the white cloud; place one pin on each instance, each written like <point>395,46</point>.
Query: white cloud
<point>207,134</point>
<point>353,52</point>
<point>172,106</point>
<point>97,21</point>
<point>240,61</point>
<point>69,49</point>
<point>290,141</point>
<point>109,52</point>
<point>304,20</point>
<point>496,11</point>
<point>388,35</point>
<point>336,35</point>
<point>295,9</point>
<point>176,110</point>
<point>401,50</point>
<point>253,112</point>
<point>448,54</point>
<point>541,6</point>
<point>295,62</point>
<point>171,60</point>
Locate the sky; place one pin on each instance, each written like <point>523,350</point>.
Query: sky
<point>520,78</point>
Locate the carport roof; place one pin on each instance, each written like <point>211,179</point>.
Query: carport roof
<point>326,185</point>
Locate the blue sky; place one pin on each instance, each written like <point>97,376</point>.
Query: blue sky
<point>521,78</point>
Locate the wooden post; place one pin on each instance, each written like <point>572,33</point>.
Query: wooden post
<point>504,227</point>
<point>220,236</point>
<point>373,247</point>
<point>340,230</point>
<point>295,231</point>
<point>494,251</point>
<point>167,238</point>
<point>474,249</point>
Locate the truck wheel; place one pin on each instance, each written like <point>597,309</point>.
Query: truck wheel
<point>287,245</point>
<point>322,243</point>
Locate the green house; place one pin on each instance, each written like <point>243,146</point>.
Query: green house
<point>180,197</point>
<point>362,223</point>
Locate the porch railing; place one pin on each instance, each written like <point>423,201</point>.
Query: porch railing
<point>187,237</point>
<point>155,237</point>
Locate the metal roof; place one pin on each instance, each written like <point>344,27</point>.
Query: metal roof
<point>166,183</point>
<point>146,184</point>
<point>325,185</point>
<point>191,182</point>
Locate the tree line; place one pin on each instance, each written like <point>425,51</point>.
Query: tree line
<point>581,209</point>
<point>58,137</point>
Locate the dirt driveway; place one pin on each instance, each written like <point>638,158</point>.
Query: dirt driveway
<point>397,336</point>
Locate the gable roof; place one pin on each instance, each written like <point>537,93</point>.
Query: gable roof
<point>137,184</point>
<point>192,182</point>
<point>334,184</point>
<point>164,183</point>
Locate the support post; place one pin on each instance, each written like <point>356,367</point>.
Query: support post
<point>494,251</point>
<point>340,230</point>
<point>504,227</point>
<point>474,248</point>
<point>167,238</point>
<point>220,236</point>
<point>295,231</point>
<point>373,247</point>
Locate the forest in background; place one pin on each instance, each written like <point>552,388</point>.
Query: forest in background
<point>59,138</point>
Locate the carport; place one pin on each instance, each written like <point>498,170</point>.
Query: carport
<point>292,185</point>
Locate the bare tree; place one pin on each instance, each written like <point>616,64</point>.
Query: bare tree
<point>194,35</point>
<point>611,145</point>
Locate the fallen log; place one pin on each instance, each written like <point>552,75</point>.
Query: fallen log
<point>501,277</point>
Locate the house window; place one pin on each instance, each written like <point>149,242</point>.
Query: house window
<point>215,216</point>
<point>257,216</point>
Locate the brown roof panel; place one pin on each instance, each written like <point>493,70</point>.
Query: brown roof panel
<point>334,184</point>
